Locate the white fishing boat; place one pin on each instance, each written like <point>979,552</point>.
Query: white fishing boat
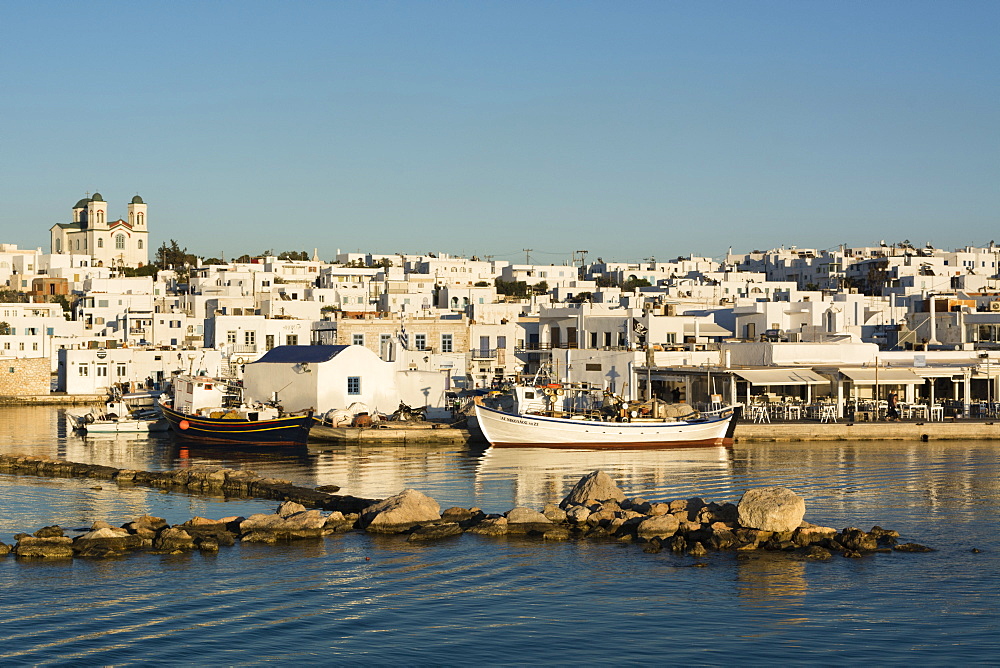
<point>504,429</point>
<point>118,416</point>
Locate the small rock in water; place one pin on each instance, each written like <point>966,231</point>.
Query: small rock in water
<point>912,547</point>
<point>329,489</point>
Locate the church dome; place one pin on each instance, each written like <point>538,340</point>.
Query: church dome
<point>82,204</point>
<point>137,200</point>
<point>97,198</point>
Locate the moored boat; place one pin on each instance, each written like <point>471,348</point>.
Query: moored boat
<point>119,417</point>
<point>504,429</point>
<point>210,410</point>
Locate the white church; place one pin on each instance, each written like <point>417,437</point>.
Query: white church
<point>120,243</point>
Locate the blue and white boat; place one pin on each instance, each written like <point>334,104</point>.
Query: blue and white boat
<point>211,410</point>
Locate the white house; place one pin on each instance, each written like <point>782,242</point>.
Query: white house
<point>333,377</point>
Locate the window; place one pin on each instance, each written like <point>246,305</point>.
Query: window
<point>447,343</point>
<point>120,241</point>
<point>140,244</point>
<point>34,346</point>
<point>354,384</point>
<point>230,337</point>
<point>291,339</point>
<point>250,338</point>
<point>101,370</point>
<point>102,303</point>
<point>121,370</point>
<point>100,243</point>
<point>501,342</point>
<point>269,341</point>
<point>84,370</point>
<point>420,341</point>
<point>358,339</point>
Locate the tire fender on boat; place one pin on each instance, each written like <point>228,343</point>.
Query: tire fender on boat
<point>183,424</point>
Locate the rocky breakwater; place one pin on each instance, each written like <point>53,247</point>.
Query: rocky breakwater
<point>198,480</point>
<point>765,519</point>
<point>154,534</point>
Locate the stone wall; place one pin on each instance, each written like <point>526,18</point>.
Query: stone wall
<point>24,376</point>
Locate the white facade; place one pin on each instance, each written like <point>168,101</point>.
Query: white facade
<point>94,370</point>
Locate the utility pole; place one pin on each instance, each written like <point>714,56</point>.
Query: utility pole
<point>527,255</point>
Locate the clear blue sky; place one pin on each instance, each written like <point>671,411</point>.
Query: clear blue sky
<point>628,129</point>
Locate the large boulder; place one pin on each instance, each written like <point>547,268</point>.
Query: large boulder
<point>173,539</point>
<point>658,526</point>
<point>526,520</point>
<point>522,515</point>
<point>597,485</point>
<point>263,528</point>
<point>106,542</point>
<point>771,509</point>
<point>44,547</point>
<point>400,513</point>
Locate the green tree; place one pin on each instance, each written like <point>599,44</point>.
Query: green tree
<point>9,296</point>
<point>172,256</point>
<point>145,270</point>
<point>540,288</point>
<point>4,328</point>
<point>633,283</point>
<point>66,301</point>
<point>293,255</point>
<point>511,288</point>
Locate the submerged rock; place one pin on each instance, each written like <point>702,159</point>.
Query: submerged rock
<point>435,531</point>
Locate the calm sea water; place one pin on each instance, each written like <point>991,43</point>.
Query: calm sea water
<point>366,599</point>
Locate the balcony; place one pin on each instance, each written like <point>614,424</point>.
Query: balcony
<point>244,348</point>
<point>484,353</point>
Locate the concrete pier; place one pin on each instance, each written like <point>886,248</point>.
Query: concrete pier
<point>746,432</point>
<point>958,430</point>
<point>392,432</point>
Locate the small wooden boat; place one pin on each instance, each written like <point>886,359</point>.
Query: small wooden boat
<point>210,410</point>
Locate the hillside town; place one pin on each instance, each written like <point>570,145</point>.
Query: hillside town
<point>800,332</point>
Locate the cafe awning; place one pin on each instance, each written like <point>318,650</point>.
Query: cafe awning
<point>883,376</point>
<point>781,376</point>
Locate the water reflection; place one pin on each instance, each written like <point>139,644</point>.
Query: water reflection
<point>775,582</point>
<point>540,475</point>
<point>844,477</point>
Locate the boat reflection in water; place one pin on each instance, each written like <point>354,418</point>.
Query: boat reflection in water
<point>541,475</point>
